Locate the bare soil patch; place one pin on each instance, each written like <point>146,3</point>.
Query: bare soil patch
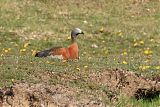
<point>118,82</point>
<point>129,83</point>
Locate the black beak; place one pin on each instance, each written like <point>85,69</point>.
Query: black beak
<point>82,33</point>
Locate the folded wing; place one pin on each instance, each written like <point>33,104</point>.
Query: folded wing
<point>55,52</point>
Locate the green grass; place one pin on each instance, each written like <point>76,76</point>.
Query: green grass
<point>122,30</point>
<point>140,103</point>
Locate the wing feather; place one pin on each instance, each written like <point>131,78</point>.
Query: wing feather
<point>48,52</point>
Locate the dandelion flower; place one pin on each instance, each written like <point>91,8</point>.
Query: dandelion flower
<point>47,62</point>
<point>146,61</point>
<point>85,66</point>
<point>26,45</point>
<point>135,44</point>
<point>106,52</point>
<point>141,42</point>
<point>135,40</point>
<point>45,39</point>
<point>124,62</point>
<point>124,53</point>
<point>148,51</point>
<point>33,52</point>
<point>151,40</point>
<point>12,80</point>
<point>22,50</point>
<point>144,67</point>
<point>78,69</point>
<point>103,41</point>
<point>157,67</point>
<point>101,30</point>
<point>120,34</point>
<point>85,22</point>
<point>6,50</point>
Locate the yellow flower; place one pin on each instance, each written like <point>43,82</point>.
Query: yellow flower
<point>120,33</point>
<point>12,80</point>
<point>144,67</point>
<point>47,62</point>
<point>147,51</point>
<point>6,51</point>
<point>85,22</point>
<point>26,45</point>
<point>33,52</point>
<point>106,52</point>
<point>68,37</point>
<point>146,61</point>
<point>151,40</point>
<point>45,38</point>
<point>78,69</point>
<point>135,44</point>
<point>22,50</point>
<point>141,42</point>
<point>85,66</point>
<point>101,30</point>
<point>124,53</point>
<point>147,66</point>
<point>124,62</point>
<point>157,67</point>
<point>89,58</point>
<point>103,41</point>
<point>135,40</point>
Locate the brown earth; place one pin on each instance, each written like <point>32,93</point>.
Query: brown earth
<point>117,82</point>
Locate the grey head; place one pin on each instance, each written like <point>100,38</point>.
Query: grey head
<point>76,32</point>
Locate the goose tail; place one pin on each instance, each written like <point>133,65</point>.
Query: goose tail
<point>44,53</point>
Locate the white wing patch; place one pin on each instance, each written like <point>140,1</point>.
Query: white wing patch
<point>56,56</point>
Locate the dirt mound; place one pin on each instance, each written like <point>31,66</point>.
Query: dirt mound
<point>43,95</point>
<point>128,83</point>
<point>40,95</point>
